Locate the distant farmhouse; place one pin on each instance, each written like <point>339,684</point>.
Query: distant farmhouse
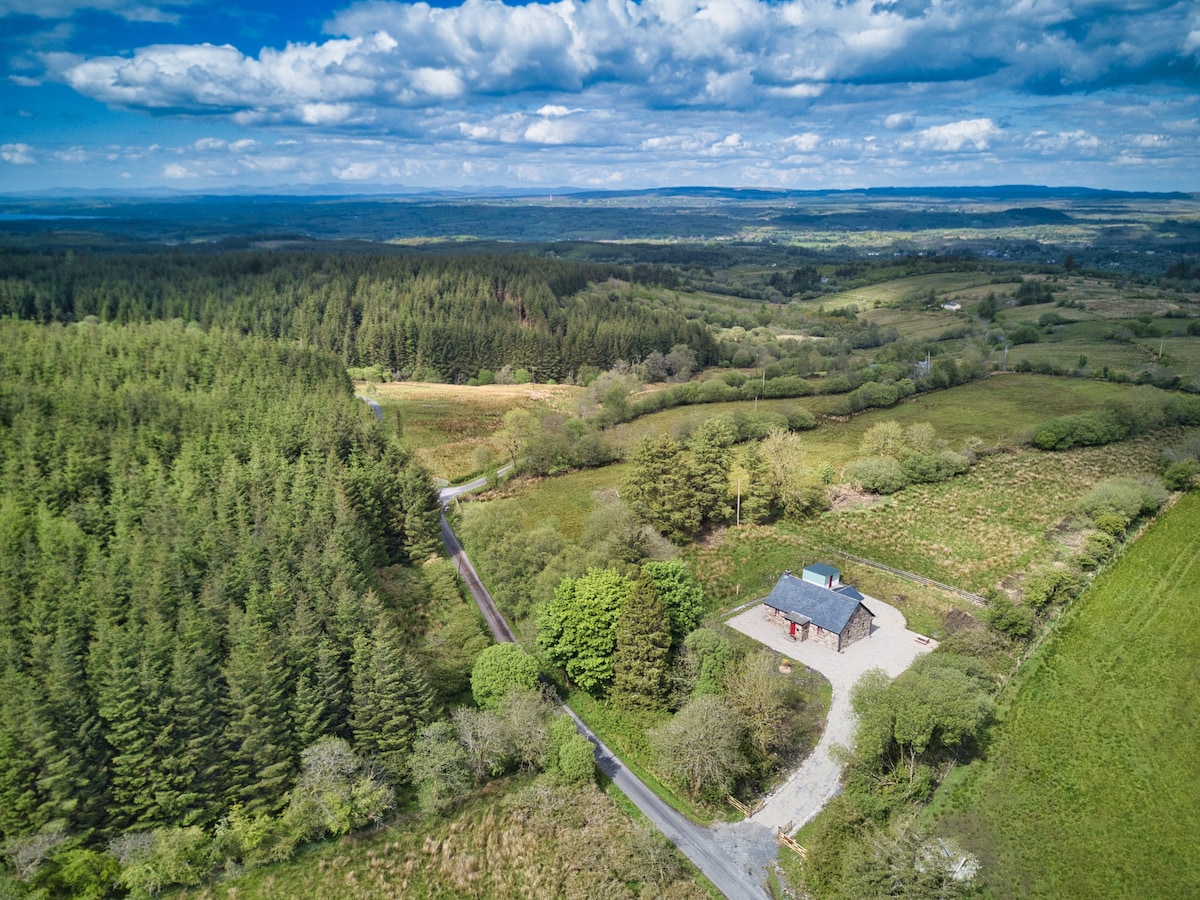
<point>818,607</point>
<point>952,306</point>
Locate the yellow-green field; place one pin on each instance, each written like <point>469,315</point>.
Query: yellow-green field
<point>445,424</point>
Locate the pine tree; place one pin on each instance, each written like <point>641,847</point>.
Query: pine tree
<point>756,492</point>
<point>70,751</point>
<point>195,762</point>
<point>130,705</point>
<point>658,488</point>
<point>21,807</point>
<point>640,658</point>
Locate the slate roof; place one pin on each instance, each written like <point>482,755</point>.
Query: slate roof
<point>829,609</point>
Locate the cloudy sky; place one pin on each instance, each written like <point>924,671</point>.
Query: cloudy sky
<point>199,94</point>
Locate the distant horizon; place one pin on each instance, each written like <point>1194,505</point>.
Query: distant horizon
<point>597,94</point>
<point>334,191</point>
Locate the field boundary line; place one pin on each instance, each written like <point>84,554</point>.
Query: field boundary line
<point>908,576</point>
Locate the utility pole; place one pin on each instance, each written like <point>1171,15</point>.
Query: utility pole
<point>739,502</point>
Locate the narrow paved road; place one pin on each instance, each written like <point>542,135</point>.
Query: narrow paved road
<point>449,493</point>
<point>696,843</point>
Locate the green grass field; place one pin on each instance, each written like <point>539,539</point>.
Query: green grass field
<point>975,532</point>
<point>915,287</point>
<point>567,499</point>
<point>1091,783</point>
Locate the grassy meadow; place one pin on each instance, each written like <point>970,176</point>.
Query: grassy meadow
<point>1091,783</point>
<point>507,840</point>
<point>445,424</point>
<point>981,529</point>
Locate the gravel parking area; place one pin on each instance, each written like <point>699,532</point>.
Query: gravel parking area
<point>891,647</point>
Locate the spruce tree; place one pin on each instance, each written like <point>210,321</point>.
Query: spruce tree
<point>658,488</point>
<point>390,699</point>
<point>710,469</point>
<point>643,645</point>
<point>262,751</point>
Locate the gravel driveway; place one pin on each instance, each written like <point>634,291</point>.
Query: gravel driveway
<point>891,647</point>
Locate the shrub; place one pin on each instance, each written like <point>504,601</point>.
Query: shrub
<point>1181,476</point>
<point>499,668</point>
<point>1127,497</point>
<point>1010,618</point>
<point>801,419</point>
<point>1097,547</point>
<point>1083,430</point>
<point>923,468</point>
<point>877,474</point>
<point>1051,588</point>
<point>1110,522</point>
<point>787,386</point>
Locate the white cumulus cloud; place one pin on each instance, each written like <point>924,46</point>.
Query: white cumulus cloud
<point>955,136</point>
<point>17,154</point>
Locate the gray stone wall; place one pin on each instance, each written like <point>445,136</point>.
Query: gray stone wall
<point>858,627</point>
<point>824,638</point>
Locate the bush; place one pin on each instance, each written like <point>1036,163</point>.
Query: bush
<point>1097,547</point>
<point>1010,618</point>
<point>1083,430</point>
<point>925,468</point>
<point>500,668</point>
<point>877,474</point>
<point>1110,522</point>
<point>174,856</point>
<point>801,419</point>
<point>1052,588</point>
<point>1181,476</point>
<point>787,386</point>
<point>1126,497</point>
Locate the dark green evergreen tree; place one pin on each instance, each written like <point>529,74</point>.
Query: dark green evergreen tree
<point>659,490</point>
<point>643,646</point>
<point>262,751</point>
<point>390,699</point>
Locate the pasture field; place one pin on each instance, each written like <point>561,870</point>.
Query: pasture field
<point>901,290</point>
<point>444,424</point>
<point>1091,782</point>
<point>917,325</point>
<point>981,530</point>
<point>1000,411</point>
<point>1118,357</point>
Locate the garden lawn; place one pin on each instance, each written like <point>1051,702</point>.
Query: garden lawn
<point>1091,785</point>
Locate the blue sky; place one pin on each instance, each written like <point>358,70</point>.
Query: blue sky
<point>196,95</point>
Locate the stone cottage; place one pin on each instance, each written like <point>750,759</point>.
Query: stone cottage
<point>818,607</point>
